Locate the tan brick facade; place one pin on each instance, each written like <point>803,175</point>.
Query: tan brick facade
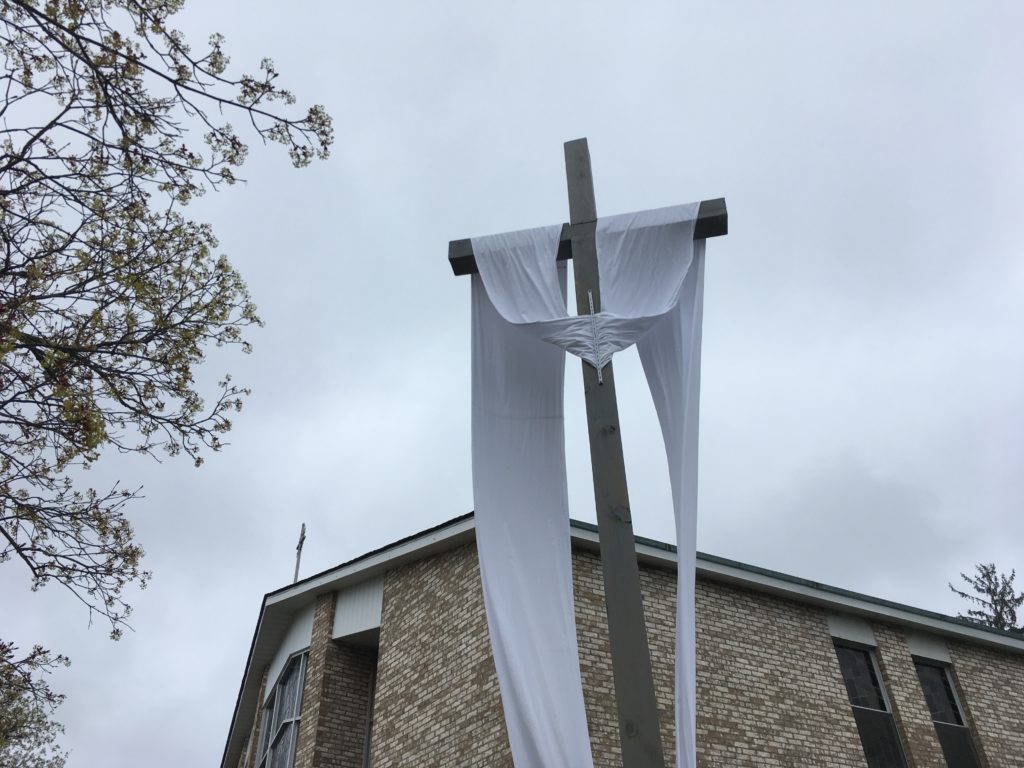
<point>323,620</point>
<point>755,706</point>
<point>336,697</point>
<point>769,688</point>
<point>344,721</point>
<point>920,743</point>
<point>770,691</point>
<point>991,687</point>
<point>434,647</point>
<point>769,681</point>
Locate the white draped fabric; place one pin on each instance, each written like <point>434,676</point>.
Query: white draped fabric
<point>651,275</point>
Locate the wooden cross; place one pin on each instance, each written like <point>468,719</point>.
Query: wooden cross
<point>631,657</point>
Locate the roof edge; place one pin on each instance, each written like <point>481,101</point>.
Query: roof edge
<point>757,570</point>
<point>461,529</point>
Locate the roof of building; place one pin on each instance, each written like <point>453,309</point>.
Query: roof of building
<point>278,607</point>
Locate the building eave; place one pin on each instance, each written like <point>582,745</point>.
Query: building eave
<point>279,606</point>
<point>823,595</point>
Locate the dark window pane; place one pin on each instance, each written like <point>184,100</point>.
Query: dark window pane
<point>957,746</point>
<point>859,676</point>
<point>938,694</point>
<point>879,738</point>
<point>284,748</point>
<point>955,738</point>
<point>266,727</point>
<point>304,660</point>
<point>288,694</point>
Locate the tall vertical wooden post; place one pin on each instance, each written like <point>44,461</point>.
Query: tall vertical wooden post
<point>631,656</point>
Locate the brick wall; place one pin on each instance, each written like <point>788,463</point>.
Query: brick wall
<point>336,696</point>
<point>991,688</point>
<point>910,710</point>
<point>769,681</point>
<point>770,692</point>
<point>345,700</point>
<point>434,650</point>
<point>769,688</point>
<point>308,750</point>
<point>595,655</point>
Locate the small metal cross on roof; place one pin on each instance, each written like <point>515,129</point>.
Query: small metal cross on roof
<point>631,658</point>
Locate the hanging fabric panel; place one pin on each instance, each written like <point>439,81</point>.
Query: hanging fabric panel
<point>522,523</point>
<point>670,354</point>
<point>651,290</point>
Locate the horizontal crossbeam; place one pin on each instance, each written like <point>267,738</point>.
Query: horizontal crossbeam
<point>712,221</point>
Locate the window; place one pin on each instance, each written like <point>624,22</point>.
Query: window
<point>280,730</point>
<point>954,736</point>
<point>875,724</point>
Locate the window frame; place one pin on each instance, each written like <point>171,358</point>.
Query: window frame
<point>941,726</point>
<point>876,670</point>
<point>269,741</point>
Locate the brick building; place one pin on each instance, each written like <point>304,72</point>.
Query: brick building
<point>385,661</point>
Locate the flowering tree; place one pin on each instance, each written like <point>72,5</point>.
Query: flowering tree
<point>27,729</point>
<point>110,123</point>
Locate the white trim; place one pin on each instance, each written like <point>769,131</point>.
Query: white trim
<point>946,669</point>
<point>873,657</point>
<point>418,547</point>
<point>928,648</point>
<point>278,605</point>
<point>358,608</point>
<point>853,628</point>
<point>296,639</point>
<point>876,669</point>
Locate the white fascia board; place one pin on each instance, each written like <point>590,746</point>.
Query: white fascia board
<point>279,607</point>
<point>440,540</point>
<point>358,609</point>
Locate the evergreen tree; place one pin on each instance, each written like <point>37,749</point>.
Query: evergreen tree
<point>994,595</point>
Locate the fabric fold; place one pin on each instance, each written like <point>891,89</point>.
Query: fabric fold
<point>642,257</point>
<point>651,288</point>
<point>522,532</point>
<point>670,355</point>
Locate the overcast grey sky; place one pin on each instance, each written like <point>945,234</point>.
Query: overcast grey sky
<point>863,380</point>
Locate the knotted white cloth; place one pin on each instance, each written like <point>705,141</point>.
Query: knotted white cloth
<point>651,280</point>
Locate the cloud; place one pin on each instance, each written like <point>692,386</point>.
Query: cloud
<point>863,386</point>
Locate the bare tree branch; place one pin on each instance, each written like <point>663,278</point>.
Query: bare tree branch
<point>109,295</point>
